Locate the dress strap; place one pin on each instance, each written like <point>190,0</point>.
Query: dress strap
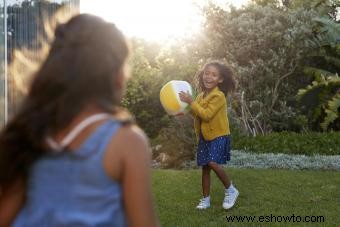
<point>75,131</point>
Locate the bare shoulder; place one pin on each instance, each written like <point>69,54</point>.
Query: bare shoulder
<point>131,137</point>
<point>128,147</point>
<point>135,151</point>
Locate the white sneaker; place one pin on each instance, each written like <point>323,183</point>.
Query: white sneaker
<point>230,197</point>
<point>204,203</point>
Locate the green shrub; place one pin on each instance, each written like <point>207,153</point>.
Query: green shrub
<point>175,144</point>
<point>290,143</point>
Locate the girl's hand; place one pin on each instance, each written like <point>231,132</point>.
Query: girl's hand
<point>185,97</point>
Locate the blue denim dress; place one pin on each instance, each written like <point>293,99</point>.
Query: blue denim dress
<point>72,188</point>
<point>216,150</point>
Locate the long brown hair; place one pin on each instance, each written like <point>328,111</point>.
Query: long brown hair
<point>227,86</point>
<point>81,67</point>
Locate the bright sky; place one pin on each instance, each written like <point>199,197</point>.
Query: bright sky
<point>152,19</point>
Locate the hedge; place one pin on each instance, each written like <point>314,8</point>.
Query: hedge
<point>290,143</point>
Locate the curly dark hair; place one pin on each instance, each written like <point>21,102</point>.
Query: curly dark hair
<point>227,86</point>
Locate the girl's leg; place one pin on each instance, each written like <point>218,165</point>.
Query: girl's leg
<point>220,173</point>
<point>205,201</point>
<point>206,180</point>
<point>231,193</point>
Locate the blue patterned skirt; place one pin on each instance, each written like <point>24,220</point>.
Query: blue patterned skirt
<point>216,150</point>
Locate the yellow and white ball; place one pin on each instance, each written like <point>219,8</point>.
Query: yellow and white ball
<point>170,99</point>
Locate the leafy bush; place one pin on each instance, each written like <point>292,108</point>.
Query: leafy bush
<point>142,95</point>
<point>290,143</point>
<point>175,144</point>
<point>151,69</point>
<point>321,99</point>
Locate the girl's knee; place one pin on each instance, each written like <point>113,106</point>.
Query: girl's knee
<point>212,164</point>
<point>206,168</point>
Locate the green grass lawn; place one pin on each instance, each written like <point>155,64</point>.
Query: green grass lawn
<point>263,192</point>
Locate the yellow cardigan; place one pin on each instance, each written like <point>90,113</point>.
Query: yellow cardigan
<point>210,115</point>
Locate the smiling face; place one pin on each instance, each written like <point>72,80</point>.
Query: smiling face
<point>211,78</point>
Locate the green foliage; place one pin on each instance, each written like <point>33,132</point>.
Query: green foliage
<point>290,143</point>
<point>267,2</point>
<point>320,99</point>
<point>327,33</point>
<point>324,7</point>
<point>332,112</point>
<point>142,95</point>
<point>152,67</point>
<point>265,46</point>
<point>175,144</point>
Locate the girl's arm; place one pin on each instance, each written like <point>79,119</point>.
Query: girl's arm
<point>12,198</point>
<point>214,104</point>
<point>135,160</point>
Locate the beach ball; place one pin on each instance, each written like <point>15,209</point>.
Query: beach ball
<point>170,99</point>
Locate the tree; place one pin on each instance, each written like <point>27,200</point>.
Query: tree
<point>142,95</point>
<point>321,99</point>
<point>265,45</point>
